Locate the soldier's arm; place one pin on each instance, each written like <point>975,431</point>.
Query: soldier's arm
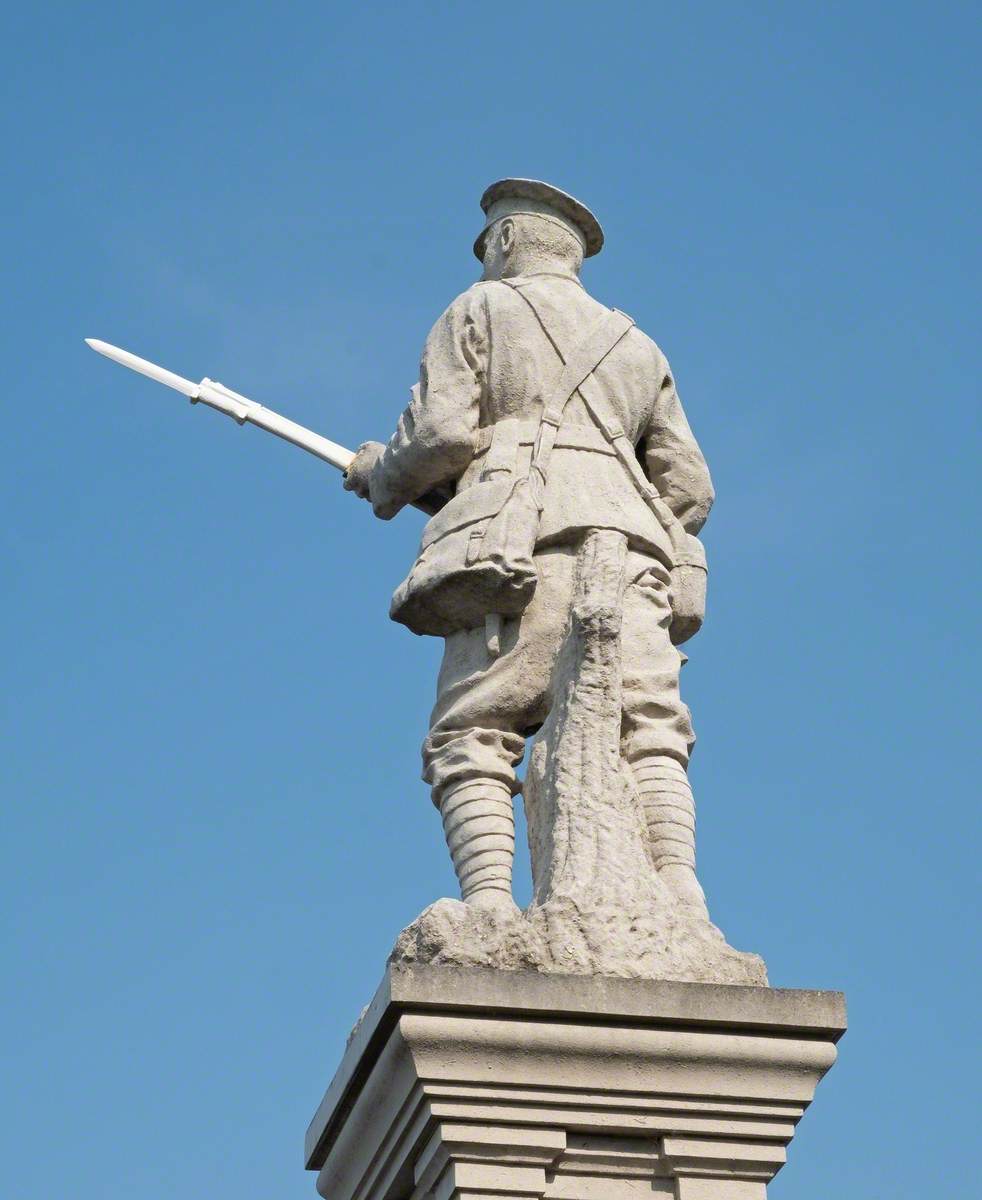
<point>434,441</point>
<point>673,461</point>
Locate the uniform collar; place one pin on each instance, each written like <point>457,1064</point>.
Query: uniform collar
<point>551,275</point>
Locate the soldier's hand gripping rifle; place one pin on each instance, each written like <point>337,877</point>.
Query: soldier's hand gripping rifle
<point>242,409</point>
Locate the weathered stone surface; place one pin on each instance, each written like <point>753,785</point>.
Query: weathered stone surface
<point>462,1083</point>
<point>598,907</point>
<point>562,938</point>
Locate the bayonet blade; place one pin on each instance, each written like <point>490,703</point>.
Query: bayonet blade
<point>151,370</point>
<point>241,408</point>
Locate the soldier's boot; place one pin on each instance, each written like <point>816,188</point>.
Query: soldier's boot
<point>670,816</point>
<point>479,825</point>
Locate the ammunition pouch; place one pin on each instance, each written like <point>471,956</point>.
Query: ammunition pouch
<point>687,590</point>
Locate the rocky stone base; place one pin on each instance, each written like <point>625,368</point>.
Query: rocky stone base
<point>556,938</point>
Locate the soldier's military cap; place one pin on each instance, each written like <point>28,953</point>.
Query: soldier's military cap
<point>513,197</point>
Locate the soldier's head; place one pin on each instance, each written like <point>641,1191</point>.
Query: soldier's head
<point>532,226</point>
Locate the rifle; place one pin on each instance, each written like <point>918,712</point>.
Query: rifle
<point>242,409</point>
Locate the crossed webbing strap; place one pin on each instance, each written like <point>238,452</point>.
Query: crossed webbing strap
<point>578,366</point>
<point>599,410</point>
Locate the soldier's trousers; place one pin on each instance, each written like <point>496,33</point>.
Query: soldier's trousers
<point>487,706</point>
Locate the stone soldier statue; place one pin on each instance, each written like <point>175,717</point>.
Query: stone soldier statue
<point>500,376</point>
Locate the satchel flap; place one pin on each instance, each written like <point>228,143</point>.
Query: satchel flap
<point>476,503</point>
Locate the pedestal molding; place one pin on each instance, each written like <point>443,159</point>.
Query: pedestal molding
<point>487,1092</point>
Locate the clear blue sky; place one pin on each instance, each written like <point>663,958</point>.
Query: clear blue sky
<point>213,823</point>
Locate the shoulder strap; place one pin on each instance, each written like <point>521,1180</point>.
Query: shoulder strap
<point>578,366</point>
<point>599,410</point>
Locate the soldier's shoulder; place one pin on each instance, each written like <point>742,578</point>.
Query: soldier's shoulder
<point>483,293</point>
<point>639,339</point>
<point>647,344</point>
<point>492,292</point>
<point>465,307</point>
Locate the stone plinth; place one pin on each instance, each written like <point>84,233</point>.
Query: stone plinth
<point>464,1083</point>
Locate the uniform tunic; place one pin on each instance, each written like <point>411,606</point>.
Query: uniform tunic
<point>487,365</point>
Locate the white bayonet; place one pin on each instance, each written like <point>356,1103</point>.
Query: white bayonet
<point>241,408</point>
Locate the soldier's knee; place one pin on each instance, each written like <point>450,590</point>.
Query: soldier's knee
<point>452,757</point>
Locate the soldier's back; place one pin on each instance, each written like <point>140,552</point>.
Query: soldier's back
<point>533,323</point>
